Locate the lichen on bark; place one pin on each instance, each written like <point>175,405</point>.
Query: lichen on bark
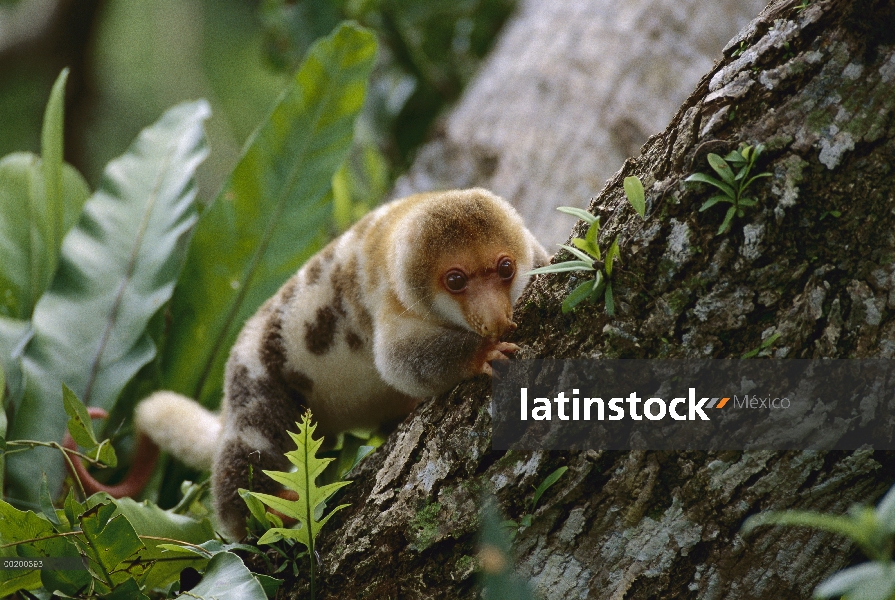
<point>816,85</point>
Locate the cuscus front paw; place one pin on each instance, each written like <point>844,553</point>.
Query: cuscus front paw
<point>494,351</point>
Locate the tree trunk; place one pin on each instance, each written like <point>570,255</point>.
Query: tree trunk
<point>570,91</point>
<point>816,85</point>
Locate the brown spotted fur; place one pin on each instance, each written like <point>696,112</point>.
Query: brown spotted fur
<point>366,328</point>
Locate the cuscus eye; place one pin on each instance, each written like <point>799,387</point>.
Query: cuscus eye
<point>505,268</point>
<point>455,281</point>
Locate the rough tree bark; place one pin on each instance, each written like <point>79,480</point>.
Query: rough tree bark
<point>816,85</point>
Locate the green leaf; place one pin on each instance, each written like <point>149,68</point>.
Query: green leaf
<point>129,590</point>
<point>226,578</point>
<point>591,238</point>
<point>611,256</point>
<point>580,213</point>
<point>713,201</point>
<point>51,149</point>
<point>303,481</point>
<point>72,508</point>
<point>28,256</point>
<point>80,426</point>
<point>725,225</point>
<point>588,247</point>
<point>703,178</point>
<point>610,299</point>
<point>256,508</point>
<point>754,177</point>
<point>46,502</point>
<point>545,485</point>
<point>857,529</point>
<point>578,295</point>
<point>563,267</point>
<point>720,166</point>
<point>736,158</point>
<point>575,251</point>
<point>599,284</point>
<point>635,195</point>
<point>269,584</point>
<point>885,512</point>
<point>869,581</point>
<point>15,526</point>
<point>2,423</point>
<point>117,269</point>
<point>40,199</point>
<point>747,202</point>
<point>158,567</point>
<point>14,333</point>
<point>272,213</point>
<point>108,539</point>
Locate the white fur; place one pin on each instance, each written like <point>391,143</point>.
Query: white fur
<point>180,426</point>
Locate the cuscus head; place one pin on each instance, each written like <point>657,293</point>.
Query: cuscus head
<point>464,257</point>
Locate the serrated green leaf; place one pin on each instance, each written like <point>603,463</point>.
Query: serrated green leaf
<point>576,252</point>
<point>545,485</point>
<point>272,213</point>
<point>580,213</point>
<point>117,269</point>
<point>226,578</point>
<point>578,295</point>
<point>634,192</point>
<point>563,267</point>
<point>703,178</point>
<point>725,225</point>
<point>720,166</point>
<point>712,201</point>
<point>308,467</point>
<point>609,299</point>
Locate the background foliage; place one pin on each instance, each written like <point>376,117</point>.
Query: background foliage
<point>144,283</point>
